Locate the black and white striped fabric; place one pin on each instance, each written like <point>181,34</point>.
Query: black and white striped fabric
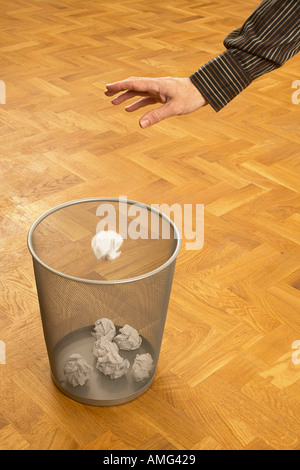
<point>267,39</point>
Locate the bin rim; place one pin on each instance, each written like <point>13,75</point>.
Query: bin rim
<point>97,281</point>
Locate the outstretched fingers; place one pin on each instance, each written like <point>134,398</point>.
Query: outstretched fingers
<point>127,95</point>
<point>147,100</point>
<point>153,117</point>
<point>138,84</point>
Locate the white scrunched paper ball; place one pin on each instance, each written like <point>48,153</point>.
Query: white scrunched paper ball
<point>109,361</point>
<point>141,367</point>
<point>77,370</point>
<point>128,338</point>
<point>106,244</point>
<point>102,347</point>
<point>104,327</point>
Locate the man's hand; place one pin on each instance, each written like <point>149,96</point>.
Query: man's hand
<point>178,96</point>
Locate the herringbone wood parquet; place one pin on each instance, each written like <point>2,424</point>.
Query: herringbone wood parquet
<point>225,378</point>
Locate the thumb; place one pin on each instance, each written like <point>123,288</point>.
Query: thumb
<point>157,115</point>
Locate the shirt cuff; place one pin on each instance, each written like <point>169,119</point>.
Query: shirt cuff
<point>221,79</point>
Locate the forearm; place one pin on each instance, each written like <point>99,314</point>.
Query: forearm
<point>268,38</point>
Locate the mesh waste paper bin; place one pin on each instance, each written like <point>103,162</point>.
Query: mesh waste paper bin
<point>103,317</point>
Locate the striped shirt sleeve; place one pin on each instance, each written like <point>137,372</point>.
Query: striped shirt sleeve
<point>267,39</point>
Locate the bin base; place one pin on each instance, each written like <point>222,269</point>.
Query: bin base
<point>99,390</point>
<point>89,401</point>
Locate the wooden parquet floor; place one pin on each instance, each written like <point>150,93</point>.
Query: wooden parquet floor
<point>225,378</point>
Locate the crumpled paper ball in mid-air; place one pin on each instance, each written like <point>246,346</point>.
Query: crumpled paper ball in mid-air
<point>106,244</point>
